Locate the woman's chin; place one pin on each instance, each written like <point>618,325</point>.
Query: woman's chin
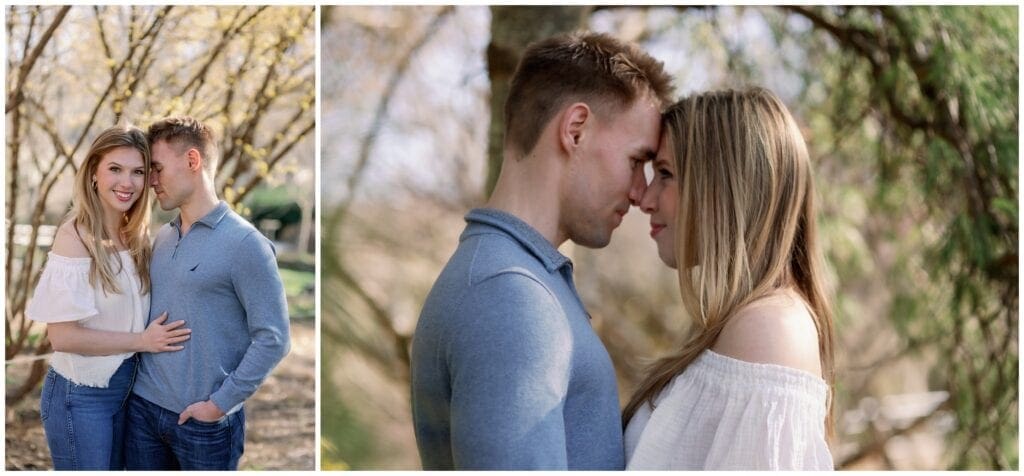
<point>669,261</point>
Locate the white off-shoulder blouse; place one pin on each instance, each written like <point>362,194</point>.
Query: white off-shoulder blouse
<point>64,294</point>
<point>728,414</point>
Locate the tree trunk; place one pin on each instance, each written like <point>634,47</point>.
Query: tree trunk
<point>512,30</point>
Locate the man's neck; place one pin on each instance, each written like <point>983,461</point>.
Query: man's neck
<point>196,207</point>
<point>532,197</point>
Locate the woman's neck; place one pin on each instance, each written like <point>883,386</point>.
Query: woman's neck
<point>113,225</point>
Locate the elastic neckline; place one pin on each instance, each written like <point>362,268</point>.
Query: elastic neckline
<point>725,371</point>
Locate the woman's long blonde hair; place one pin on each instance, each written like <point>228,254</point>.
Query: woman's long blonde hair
<point>745,222</point>
<point>86,213</point>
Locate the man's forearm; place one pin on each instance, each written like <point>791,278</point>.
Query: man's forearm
<point>259,360</point>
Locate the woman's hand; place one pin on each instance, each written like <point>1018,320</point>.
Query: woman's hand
<point>160,337</point>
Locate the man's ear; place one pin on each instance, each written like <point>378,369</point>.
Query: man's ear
<point>573,126</point>
<point>195,160</point>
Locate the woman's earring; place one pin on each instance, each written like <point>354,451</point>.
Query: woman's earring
<point>94,183</point>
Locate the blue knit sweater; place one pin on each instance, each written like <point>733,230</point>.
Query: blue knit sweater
<point>222,279</point>
<point>507,372</point>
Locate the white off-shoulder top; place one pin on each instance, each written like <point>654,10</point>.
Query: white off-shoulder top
<point>64,294</point>
<point>727,414</point>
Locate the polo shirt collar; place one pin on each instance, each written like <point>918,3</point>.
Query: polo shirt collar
<point>211,219</point>
<point>520,231</point>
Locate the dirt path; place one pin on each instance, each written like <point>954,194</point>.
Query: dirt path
<point>280,419</point>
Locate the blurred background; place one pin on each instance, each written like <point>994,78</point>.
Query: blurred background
<point>911,117</point>
<point>248,72</point>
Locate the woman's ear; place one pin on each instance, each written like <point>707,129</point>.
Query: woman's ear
<point>573,125</point>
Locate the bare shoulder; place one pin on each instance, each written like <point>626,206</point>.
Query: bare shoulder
<point>775,330</point>
<point>68,243</point>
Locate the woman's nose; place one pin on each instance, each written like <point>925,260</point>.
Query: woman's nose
<point>649,201</point>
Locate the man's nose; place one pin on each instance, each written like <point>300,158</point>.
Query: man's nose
<point>638,187</point>
<point>649,201</point>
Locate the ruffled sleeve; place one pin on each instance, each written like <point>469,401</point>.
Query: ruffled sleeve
<point>63,293</point>
<point>727,414</point>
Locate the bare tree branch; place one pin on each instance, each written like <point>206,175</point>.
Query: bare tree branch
<point>380,114</point>
<point>218,49</point>
<point>14,98</point>
<point>400,343</point>
<point>107,51</point>
<point>878,446</point>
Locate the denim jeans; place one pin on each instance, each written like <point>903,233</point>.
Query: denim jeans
<point>155,441</point>
<point>84,425</point>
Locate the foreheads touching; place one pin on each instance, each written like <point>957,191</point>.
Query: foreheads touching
<point>607,74</point>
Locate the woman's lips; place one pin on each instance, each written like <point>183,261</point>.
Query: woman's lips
<point>655,229</point>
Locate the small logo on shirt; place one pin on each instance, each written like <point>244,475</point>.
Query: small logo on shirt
<point>194,267</point>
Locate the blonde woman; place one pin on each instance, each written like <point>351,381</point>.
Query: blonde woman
<point>93,296</point>
<point>732,209</point>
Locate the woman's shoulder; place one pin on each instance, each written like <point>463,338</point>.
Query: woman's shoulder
<point>67,242</point>
<point>777,329</point>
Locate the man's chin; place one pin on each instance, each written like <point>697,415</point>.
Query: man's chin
<point>594,241</point>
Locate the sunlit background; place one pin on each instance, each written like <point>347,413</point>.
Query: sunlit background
<point>249,73</point>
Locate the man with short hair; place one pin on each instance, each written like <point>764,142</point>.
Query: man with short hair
<point>213,269</point>
<point>507,372</point>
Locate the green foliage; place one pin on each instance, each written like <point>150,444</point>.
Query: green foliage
<point>276,203</point>
<point>345,442</point>
<point>943,87</point>
<point>298,286</point>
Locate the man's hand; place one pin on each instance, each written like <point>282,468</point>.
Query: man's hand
<point>203,411</point>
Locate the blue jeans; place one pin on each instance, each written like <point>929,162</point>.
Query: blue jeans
<point>155,441</point>
<point>84,425</point>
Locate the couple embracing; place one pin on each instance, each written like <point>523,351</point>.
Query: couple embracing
<point>156,345</point>
<point>507,372</point>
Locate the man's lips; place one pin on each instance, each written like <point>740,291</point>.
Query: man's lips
<point>621,214</point>
<point>655,229</point>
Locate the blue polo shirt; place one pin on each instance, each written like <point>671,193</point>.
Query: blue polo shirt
<point>507,372</point>
<point>222,279</point>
